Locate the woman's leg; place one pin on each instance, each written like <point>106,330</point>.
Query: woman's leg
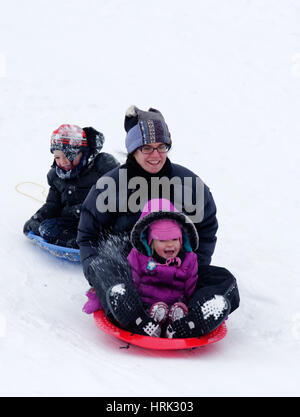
<point>214,280</point>
<point>109,274</point>
<point>215,297</point>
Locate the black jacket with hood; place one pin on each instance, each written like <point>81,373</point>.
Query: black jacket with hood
<point>66,196</point>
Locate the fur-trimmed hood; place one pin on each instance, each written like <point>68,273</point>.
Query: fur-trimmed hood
<point>95,141</point>
<point>158,209</point>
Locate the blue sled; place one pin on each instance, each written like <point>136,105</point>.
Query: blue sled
<point>69,254</point>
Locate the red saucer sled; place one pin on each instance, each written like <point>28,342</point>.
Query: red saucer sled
<point>158,343</point>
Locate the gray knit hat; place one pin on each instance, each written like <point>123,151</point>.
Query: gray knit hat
<point>70,139</point>
<point>144,127</point>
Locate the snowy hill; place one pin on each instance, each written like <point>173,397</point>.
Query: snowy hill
<point>226,76</point>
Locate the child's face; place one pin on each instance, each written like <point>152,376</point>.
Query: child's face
<point>63,162</point>
<point>166,248</point>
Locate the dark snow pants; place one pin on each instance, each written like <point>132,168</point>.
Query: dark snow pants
<point>215,280</point>
<point>61,231</point>
<point>110,267</point>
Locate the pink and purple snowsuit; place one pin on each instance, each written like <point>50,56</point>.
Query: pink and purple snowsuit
<point>167,282</point>
<point>156,281</point>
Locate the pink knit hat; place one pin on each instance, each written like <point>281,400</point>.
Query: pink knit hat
<point>165,229</point>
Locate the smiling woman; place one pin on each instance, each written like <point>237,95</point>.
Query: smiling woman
<point>104,229</point>
<point>151,158</point>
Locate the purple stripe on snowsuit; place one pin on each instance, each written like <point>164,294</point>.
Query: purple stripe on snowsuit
<point>168,283</point>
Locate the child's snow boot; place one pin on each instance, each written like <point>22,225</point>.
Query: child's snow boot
<point>159,312</point>
<point>93,304</point>
<point>178,311</point>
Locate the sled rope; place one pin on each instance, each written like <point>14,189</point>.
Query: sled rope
<point>44,191</point>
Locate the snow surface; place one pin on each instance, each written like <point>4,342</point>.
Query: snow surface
<point>226,76</point>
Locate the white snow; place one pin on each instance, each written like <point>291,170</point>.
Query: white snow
<point>118,289</point>
<point>226,77</point>
<point>214,307</point>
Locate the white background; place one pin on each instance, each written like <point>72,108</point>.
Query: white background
<point>226,76</point>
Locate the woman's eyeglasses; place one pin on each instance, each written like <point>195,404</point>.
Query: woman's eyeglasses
<point>163,148</point>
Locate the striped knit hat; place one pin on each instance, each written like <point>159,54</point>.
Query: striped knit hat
<point>144,127</point>
<point>70,139</point>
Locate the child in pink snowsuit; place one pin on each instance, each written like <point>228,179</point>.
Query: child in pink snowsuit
<point>164,267</point>
<point>163,264</point>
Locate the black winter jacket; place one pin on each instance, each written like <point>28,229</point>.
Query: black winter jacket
<point>94,224</point>
<point>66,196</point>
